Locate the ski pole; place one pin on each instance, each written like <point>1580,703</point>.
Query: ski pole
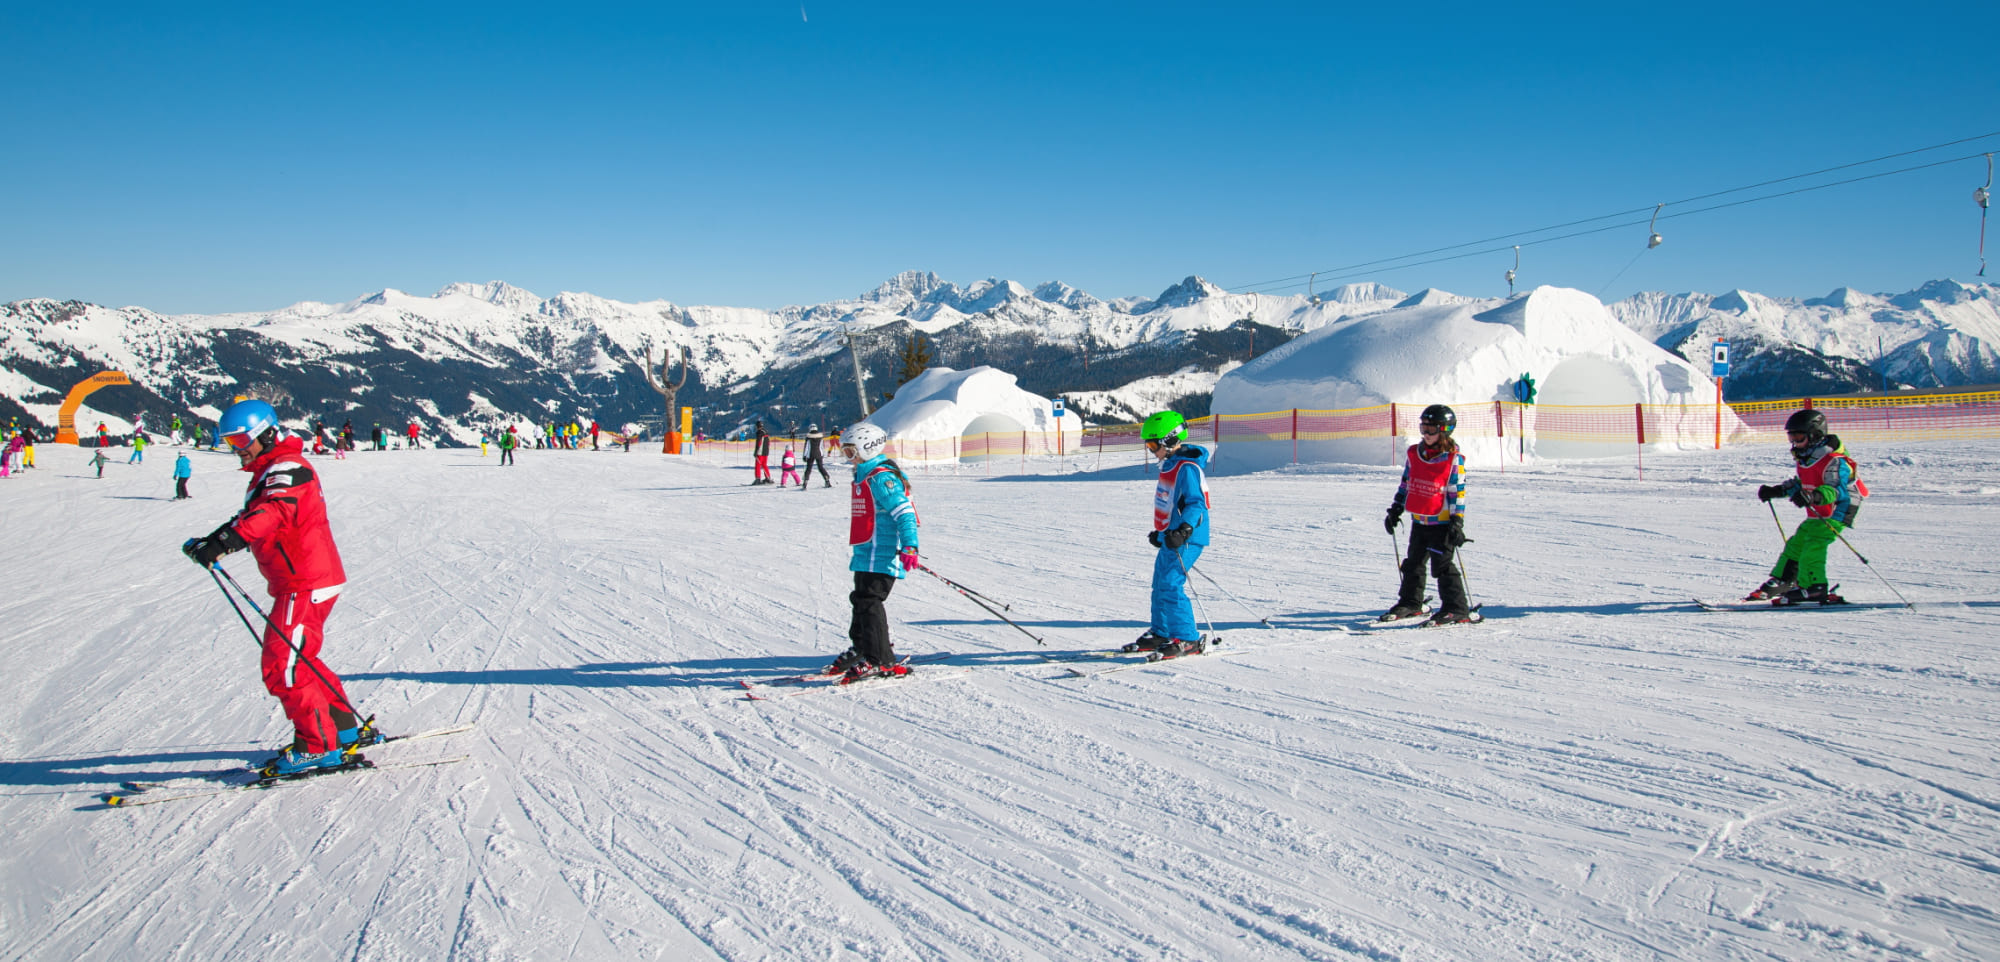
<point>1213,635</point>
<point>955,586</point>
<point>1870,567</point>
<point>1239,601</point>
<point>972,593</point>
<point>221,574</point>
<point>1782,536</point>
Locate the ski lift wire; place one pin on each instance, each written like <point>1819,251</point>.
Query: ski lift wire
<point>1355,271</point>
<point>1281,283</point>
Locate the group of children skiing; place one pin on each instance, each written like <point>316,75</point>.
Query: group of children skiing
<point>283,525</point>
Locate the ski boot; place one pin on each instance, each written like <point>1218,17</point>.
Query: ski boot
<point>290,762</point>
<point>1150,641</point>
<point>1811,594</point>
<point>1400,612</point>
<point>868,669</point>
<point>848,659</point>
<point>1770,589</point>
<point>1176,647</point>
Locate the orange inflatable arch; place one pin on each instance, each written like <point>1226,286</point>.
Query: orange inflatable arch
<point>66,418</point>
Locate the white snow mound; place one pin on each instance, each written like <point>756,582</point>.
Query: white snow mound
<point>942,403</point>
<point>1460,352</point>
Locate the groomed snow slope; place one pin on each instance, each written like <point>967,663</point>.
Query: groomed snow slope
<point>1599,772</point>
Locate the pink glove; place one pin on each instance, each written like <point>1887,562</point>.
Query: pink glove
<point>908,557</point>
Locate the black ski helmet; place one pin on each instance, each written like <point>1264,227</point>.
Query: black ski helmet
<point>1441,416</point>
<point>1808,422</point>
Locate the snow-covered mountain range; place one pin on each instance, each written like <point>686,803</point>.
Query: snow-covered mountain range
<point>471,355</point>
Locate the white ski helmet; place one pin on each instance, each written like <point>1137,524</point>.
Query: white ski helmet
<point>866,439</point>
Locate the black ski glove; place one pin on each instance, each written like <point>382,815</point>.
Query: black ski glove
<point>1153,537</point>
<point>1177,537</point>
<point>208,550</point>
<point>1808,496</point>
<point>1799,497</point>
<point>1456,535</point>
<point>1395,518</point>
<point>1770,492</point>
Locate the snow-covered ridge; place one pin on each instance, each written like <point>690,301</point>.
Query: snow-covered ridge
<point>1941,334</point>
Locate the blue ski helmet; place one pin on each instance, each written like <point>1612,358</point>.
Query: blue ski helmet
<point>248,419</point>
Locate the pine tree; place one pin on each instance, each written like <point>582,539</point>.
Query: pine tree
<point>917,356</point>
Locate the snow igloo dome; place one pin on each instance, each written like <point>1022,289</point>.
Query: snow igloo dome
<point>1461,352</point>
<point>946,405</point>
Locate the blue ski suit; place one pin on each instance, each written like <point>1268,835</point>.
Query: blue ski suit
<point>1180,498</point>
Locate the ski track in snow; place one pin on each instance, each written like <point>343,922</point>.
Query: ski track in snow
<point>1600,771</point>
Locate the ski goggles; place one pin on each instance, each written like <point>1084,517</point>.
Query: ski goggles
<point>239,441</point>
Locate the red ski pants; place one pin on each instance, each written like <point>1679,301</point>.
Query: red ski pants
<point>761,471</point>
<point>303,684</point>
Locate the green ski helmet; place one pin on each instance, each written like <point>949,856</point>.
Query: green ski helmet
<point>1166,427</point>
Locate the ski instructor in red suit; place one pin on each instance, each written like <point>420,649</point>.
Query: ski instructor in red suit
<point>283,524</point>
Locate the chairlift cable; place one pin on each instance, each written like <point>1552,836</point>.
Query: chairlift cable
<point>1281,283</point>
<point>1355,270</point>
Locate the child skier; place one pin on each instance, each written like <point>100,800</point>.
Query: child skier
<point>883,531</point>
<point>1180,532</point>
<point>1433,491</point>
<point>283,524</point>
<point>789,468</point>
<point>97,460</point>
<point>1830,490</point>
<point>183,470</point>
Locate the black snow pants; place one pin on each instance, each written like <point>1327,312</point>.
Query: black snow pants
<point>1429,547</point>
<point>870,629</point>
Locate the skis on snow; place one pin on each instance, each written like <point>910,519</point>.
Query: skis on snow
<point>820,682</point>
<point>360,763</point>
<point>1212,648</point>
<point>205,784</point>
<point>1707,605</point>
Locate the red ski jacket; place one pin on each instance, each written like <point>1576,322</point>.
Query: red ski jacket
<point>284,522</point>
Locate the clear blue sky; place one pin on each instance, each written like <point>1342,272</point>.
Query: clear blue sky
<point>191,158</point>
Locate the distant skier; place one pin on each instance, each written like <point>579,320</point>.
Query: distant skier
<point>414,429</point>
<point>593,434</point>
<point>138,455</point>
<point>10,457</point>
<point>883,530</point>
<point>174,431</point>
<point>761,450</point>
<point>508,442</point>
<point>1830,489</point>
<point>183,470</point>
<point>815,458</point>
<point>788,468</point>
<point>283,524</point>
<point>1179,532</point>
<point>1433,491</point>
<point>98,461</point>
